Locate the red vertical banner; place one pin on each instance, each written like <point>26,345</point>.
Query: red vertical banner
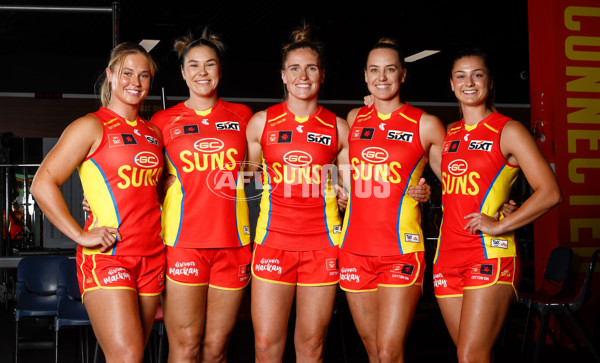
<point>564,51</point>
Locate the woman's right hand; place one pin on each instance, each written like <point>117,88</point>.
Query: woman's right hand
<point>102,238</point>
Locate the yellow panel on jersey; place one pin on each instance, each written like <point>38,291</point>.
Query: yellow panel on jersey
<point>171,222</point>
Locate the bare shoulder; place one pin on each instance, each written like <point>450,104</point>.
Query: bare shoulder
<point>352,115</point>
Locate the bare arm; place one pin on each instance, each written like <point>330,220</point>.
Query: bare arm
<point>519,149</point>
<point>79,140</point>
<point>343,164</point>
<point>254,132</point>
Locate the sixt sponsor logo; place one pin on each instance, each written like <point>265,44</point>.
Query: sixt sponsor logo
<point>480,145</point>
<point>400,135</point>
<point>318,138</point>
<point>228,125</point>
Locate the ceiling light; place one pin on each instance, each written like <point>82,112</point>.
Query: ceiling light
<point>420,55</point>
<point>148,44</point>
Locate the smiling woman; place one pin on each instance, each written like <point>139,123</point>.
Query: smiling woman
<point>119,159</point>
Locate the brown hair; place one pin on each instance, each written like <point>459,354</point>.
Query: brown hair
<point>301,39</point>
<point>117,58</point>
<point>487,62</point>
<point>184,44</point>
<point>389,43</point>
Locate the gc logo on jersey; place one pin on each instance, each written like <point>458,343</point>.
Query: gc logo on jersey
<point>458,167</point>
<point>297,158</point>
<point>209,145</point>
<point>228,125</point>
<point>400,135</point>
<point>146,159</point>
<point>318,138</point>
<point>481,145</point>
<point>374,154</point>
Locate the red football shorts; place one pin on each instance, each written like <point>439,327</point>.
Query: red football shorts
<point>451,281</point>
<point>303,268</point>
<point>222,268</point>
<point>144,274</point>
<point>366,273</point>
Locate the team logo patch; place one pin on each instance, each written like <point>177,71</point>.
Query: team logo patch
<point>451,146</point>
<point>500,243</point>
<point>374,154</point>
<point>337,229</point>
<point>484,270</point>
<point>481,145</point>
<point>331,264</point>
<point>318,138</point>
<point>228,125</point>
<point>400,135</point>
<point>183,130</point>
<point>410,237</point>
<point>121,139</point>
<point>247,230</point>
<point>279,137</point>
<point>297,158</point>
<point>152,140</point>
<point>363,133</point>
<point>458,167</point>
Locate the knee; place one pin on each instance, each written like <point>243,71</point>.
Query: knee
<point>124,353</point>
<point>310,347</point>
<point>214,350</point>
<point>267,346</point>
<point>390,353</point>
<point>186,346</point>
<point>470,355</point>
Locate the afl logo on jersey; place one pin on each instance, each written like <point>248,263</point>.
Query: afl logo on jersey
<point>374,154</point>
<point>297,158</point>
<point>146,159</point>
<point>209,145</point>
<point>457,167</point>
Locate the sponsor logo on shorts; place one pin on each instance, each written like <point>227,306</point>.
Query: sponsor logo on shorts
<point>481,145</point>
<point>479,270</point>
<point>450,146</point>
<point>116,275</point>
<point>244,270</point>
<point>400,135</point>
<point>331,264</point>
<point>349,274</point>
<point>439,281</point>
<point>228,125</point>
<point>506,273</point>
<point>279,137</point>
<point>268,265</point>
<point>337,228</point>
<point>500,243</point>
<point>409,237</point>
<point>186,268</point>
<point>318,138</point>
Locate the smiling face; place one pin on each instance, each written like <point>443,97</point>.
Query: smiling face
<point>384,73</point>
<point>130,84</point>
<point>470,81</point>
<point>302,74</point>
<point>201,71</point>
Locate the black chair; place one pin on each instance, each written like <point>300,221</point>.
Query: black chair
<point>37,281</point>
<point>568,306</point>
<point>70,309</point>
<point>553,284</point>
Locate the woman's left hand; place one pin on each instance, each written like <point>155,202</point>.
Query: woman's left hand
<point>480,222</point>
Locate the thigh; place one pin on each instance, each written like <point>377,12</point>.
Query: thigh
<point>184,310</point>
<point>270,308</point>
<point>115,318</point>
<point>222,308</point>
<point>396,310</point>
<point>364,309</point>
<point>451,309</point>
<point>482,317</point>
<point>314,307</point>
<point>148,306</point>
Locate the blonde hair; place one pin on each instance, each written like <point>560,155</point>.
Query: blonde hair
<point>184,44</point>
<point>301,38</point>
<point>117,58</point>
<point>389,43</point>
